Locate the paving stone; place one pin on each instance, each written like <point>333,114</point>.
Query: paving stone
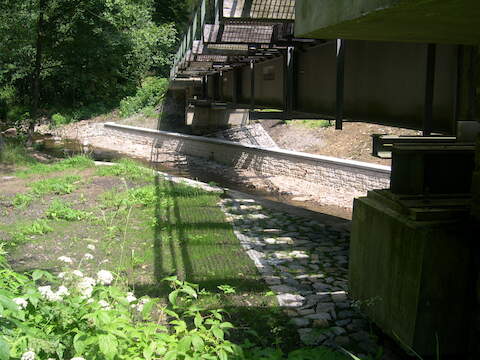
<point>290,300</point>
<point>301,322</point>
<point>282,288</point>
<point>319,316</point>
<point>339,296</point>
<point>286,250</point>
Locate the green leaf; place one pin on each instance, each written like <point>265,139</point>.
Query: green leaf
<point>108,345</point>
<point>171,355</point>
<point>9,304</point>
<point>79,343</point>
<point>4,349</point>
<point>217,332</point>
<point>198,343</point>
<point>198,320</point>
<point>190,291</point>
<point>37,274</point>
<point>222,355</point>
<point>172,297</point>
<point>147,308</point>
<point>184,344</point>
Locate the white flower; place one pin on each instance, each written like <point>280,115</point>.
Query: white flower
<point>47,293</point>
<point>77,273</point>
<point>105,305</point>
<point>61,275</point>
<point>85,286</point>
<point>89,301</point>
<point>77,358</point>
<point>141,304</point>
<point>105,277</point>
<point>62,291</point>
<point>91,247</point>
<point>130,297</point>
<point>44,290</point>
<point>88,256</point>
<point>21,302</point>
<point>65,259</point>
<point>29,355</point>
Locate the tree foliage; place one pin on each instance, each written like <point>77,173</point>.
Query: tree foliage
<point>93,51</point>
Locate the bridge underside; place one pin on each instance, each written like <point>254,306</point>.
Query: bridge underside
<point>405,63</point>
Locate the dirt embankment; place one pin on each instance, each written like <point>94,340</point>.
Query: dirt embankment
<point>354,142</point>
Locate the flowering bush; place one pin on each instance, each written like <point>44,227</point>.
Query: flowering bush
<point>73,316</point>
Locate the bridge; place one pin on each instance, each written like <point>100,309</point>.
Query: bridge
<point>410,64</point>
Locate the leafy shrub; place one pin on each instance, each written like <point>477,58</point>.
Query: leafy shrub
<point>57,185</point>
<point>58,119</point>
<point>24,232</point>
<point>73,315</point>
<point>59,210</point>
<point>149,95</point>
<point>22,200</point>
<point>14,153</point>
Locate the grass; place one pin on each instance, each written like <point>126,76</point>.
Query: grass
<point>15,153</point>
<point>127,169</point>
<point>23,233</point>
<point>76,162</point>
<point>145,228</point>
<point>312,124</point>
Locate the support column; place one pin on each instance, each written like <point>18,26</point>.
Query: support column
<point>220,86</point>
<point>204,87</point>
<point>429,89</point>
<point>252,85</point>
<point>289,82</point>
<point>340,84</point>
<point>236,89</point>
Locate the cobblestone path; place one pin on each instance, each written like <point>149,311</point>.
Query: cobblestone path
<point>305,263</point>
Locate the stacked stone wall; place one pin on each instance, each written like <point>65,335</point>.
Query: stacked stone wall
<point>339,179</point>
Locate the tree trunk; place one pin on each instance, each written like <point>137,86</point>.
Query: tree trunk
<point>37,70</point>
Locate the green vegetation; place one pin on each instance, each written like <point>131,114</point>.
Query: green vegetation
<point>15,153</point>
<point>22,200</point>
<point>57,185</point>
<point>60,210</point>
<point>127,169</point>
<point>75,162</point>
<point>74,61</point>
<point>117,303</point>
<point>151,92</point>
<point>23,233</point>
<point>312,124</point>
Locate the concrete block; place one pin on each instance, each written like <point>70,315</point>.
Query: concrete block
<point>414,279</point>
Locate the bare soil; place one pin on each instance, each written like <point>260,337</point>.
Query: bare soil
<point>354,142</point>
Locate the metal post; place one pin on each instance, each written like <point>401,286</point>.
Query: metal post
<point>429,89</point>
<point>458,85</point>
<point>220,85</point>
<point>204,87</point>
<point>340,84</point>
<point>472,88</point>
<point>289,82</point>
<point>252,85</point>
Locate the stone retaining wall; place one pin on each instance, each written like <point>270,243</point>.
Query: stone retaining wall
<point>253,134</point>
<point>337,180</point>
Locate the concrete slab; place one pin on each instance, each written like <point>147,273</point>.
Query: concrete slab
<point>438,21</point>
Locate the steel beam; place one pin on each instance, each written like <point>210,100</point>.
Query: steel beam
<point>429,89</point>
<point>340,88</point>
